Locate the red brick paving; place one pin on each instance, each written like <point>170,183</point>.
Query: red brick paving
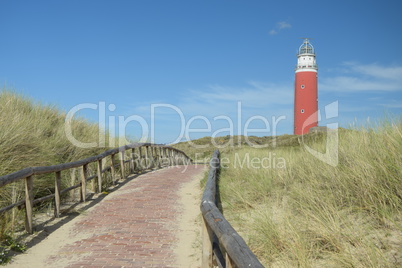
<point>136,226</point>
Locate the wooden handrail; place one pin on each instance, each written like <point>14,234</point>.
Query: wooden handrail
<point>29,173</point>
<point>217,231</point>
<point>21,174</point>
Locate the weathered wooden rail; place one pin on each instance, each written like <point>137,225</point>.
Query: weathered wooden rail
<point>138,157</point>
<point>218,235</point>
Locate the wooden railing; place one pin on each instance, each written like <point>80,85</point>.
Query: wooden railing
<point>218,235</point>
<point>138,157</point>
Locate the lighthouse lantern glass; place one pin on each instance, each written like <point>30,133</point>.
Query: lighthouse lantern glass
<point>306,48</point>
<point>306,57</point>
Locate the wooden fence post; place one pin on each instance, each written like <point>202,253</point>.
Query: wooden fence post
<point>167,155</point>
<point>28,204</point>
<point>159,149</point>
<point>140,167</point>
<point>207,255</point>
<point>150,156</point>
<point>163,156</point>
<point>161,153</point>
<point>173,162</point>
<point>132,161</point>
<point>122,168</point>
<point>57,199</point>
<point>113,169</point>
<point>156,157</point>
<point>146,157</point>
<point>99,172</point>
<point>84,172</point>
<point>171,159</point>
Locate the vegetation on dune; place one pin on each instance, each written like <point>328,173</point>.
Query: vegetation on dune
<point>201,150</point>
<point>32,134</point>
<point>296,211</point>
<point>293,209</point>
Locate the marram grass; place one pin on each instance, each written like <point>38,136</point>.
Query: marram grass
<point>305,213</point>
<point>32,134</point>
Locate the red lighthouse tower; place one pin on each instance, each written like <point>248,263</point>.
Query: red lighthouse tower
<point>306,100</point>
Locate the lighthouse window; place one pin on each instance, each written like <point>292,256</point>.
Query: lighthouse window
<point>302,86</point>
<point>302,111</point>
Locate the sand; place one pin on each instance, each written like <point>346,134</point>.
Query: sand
<point>189,247</point>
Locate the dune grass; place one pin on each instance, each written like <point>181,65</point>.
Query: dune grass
<point>296,211</point>
<point>33,134</point>
<point>201,150</point>
<point>292,209</point>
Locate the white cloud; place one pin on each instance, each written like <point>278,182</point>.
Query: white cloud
<point>361,77</point>
<point>218,104</point>
<point>215,99</point>
<point>283,25</point>
<point>256,98</point>
<point>378,71</point>
<point>273,32</point>
<point>279,27</point>
<point>353,84</point>
<point>256,94</point>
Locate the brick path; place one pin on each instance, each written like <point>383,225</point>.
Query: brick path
<point>136,226</point>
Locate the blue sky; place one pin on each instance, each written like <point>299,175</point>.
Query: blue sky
<point>196,62</point>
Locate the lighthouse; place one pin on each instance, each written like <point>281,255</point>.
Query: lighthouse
<point>306,98</point>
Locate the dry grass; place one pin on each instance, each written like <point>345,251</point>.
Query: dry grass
<point>32,134</point>
<point>201,150</point>
<point>296,211</point>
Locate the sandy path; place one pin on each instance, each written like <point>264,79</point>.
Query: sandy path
<point>189,246</point>
<point>160,228</point>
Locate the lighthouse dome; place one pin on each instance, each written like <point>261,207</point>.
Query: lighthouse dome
<point>306,48</point>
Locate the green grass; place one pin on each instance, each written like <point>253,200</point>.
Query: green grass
<point>305,213</point>
<point>296,211</point>
<point>201,150</point>
<point>33,134</point>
